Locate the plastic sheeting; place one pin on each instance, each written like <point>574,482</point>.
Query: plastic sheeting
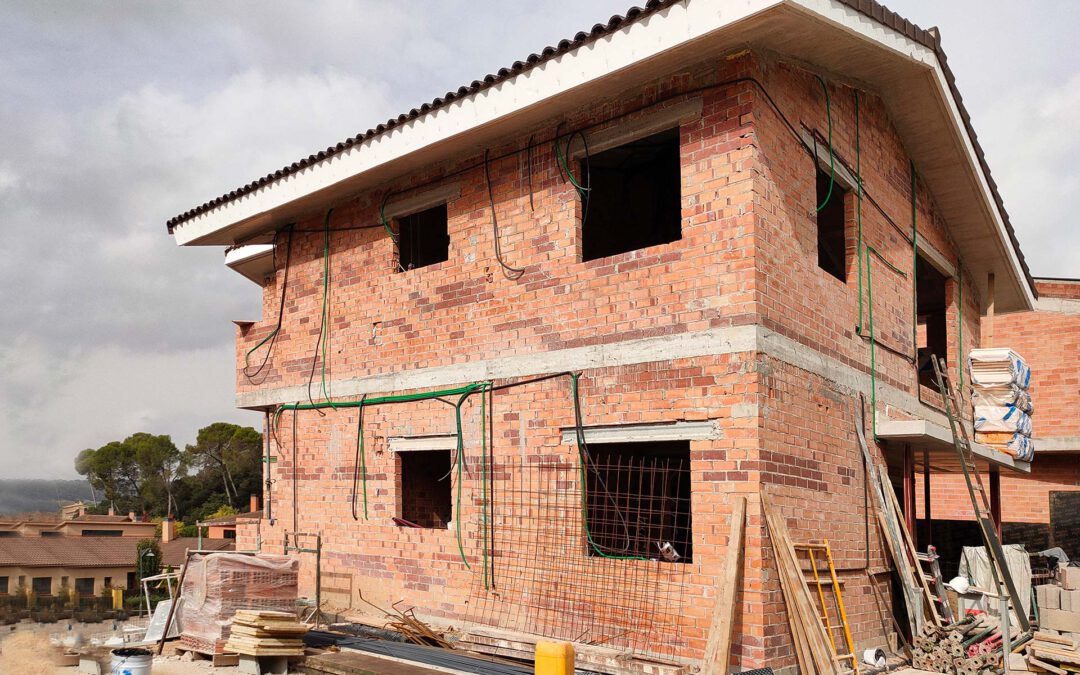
<point>975,565</point>
<point>1003,406</point>
<point>1002,418</point>
<point>997,367</point>
<point>1015,444</point>
<point>1005,395</point>
<point>218,584</point>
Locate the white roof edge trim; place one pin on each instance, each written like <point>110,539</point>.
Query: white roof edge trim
<point>636,43</point>
<point>859,24</point>
<point>247,252</point>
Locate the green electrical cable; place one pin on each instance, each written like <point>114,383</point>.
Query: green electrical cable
<point>960,322</point>
<point>914,271</point>
<point>832,158</point>
<point>583,451</point>
<point>460,478</point>
<point>483,474</point>
<point>382,218</point>
<point>873,361</point>
<point>858,210</point>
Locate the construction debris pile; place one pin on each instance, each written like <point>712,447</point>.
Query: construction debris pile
<point>266,633</point>
<point>1002,416</point>
<point>217,585</point>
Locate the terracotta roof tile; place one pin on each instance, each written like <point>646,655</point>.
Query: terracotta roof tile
<point>68,551</point>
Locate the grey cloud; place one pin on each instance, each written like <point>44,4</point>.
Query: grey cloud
<point>116,115</point>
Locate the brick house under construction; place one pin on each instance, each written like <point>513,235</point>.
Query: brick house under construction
<point>649,238</point>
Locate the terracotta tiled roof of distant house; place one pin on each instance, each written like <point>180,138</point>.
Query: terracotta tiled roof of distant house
<point>250,515</point>
<point>91,518</point>
<point>173,552</point>
<point>68,551</point>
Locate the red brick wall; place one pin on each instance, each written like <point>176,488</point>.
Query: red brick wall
<point>748,255</point>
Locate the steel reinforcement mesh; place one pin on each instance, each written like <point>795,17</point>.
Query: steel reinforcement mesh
<point>621,582</point>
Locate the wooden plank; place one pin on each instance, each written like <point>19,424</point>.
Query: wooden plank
<point>1036,663</point>
<point>1056,655</point>
<point>718,648</point>
<point>802,613</point>
<point>1041,636</point>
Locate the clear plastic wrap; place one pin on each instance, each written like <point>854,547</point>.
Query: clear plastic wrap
<point>1002,418</point>
<point>1004,396</point>
<point>218,584</point>
<point>997,367</point>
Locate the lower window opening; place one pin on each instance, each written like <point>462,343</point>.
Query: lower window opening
<point>638,500</point>
<point>425,488</point>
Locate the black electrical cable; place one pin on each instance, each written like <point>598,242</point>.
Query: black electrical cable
<point>322,318</point>
<point>690,92</point>
<point>271,340</point>
<point>357,462</point>
<point>510,272</point>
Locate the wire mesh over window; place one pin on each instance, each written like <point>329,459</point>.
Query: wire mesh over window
<point>545,577</point>
<point>638,500</point>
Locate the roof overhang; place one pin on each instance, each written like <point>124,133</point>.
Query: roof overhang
<point>832,36</point>
<point>254,261</point>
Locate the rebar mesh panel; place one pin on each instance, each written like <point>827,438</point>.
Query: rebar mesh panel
<point>625,590</point>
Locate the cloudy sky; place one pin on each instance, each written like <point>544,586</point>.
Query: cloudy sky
<point>116,115</point>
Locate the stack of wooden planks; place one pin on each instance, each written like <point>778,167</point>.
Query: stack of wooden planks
<point>1049,653</point>
<point>266,633</point>
<point>811,641</point>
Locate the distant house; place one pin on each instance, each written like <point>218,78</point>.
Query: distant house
<point>74,521</point>
<point>85,553</point>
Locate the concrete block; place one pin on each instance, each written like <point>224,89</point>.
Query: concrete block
<point>1069,578</point>
<point>1049,596</point>
<point>1065,603</point>
<point>1068,622</point>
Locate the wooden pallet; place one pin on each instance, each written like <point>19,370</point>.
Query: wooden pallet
<point>216,660</point>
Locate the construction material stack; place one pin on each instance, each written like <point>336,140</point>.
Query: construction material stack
<point>217,585</point>
<point>264,633</point>
<point>1002,402</point>
<point>969,647</point>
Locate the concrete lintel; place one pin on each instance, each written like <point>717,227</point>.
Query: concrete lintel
<point>1057,444</point>
<point>420,443</point>
<point>642,433</point>
<point>711,342</point>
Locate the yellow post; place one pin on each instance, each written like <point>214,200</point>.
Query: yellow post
<point>117,598</point>
<point>554,658</point>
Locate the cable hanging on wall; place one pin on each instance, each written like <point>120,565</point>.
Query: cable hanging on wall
<point>510,272</point>
<point>271,339</point>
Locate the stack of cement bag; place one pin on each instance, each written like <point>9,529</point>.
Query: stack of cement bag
<point>999,382</point>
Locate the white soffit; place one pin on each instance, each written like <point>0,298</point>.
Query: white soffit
<point>830,35</point>
<point>254,261</point>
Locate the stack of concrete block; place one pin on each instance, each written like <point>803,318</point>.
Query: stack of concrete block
<point>1059,604</point>
<point>1002,404</point>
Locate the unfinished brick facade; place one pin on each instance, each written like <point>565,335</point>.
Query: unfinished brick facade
<point>734,325</point>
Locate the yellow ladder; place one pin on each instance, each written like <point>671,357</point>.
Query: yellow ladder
<point>819,548</point>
